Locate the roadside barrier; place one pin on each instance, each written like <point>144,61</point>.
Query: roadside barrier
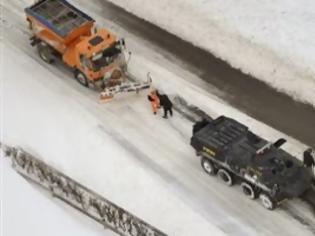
<point>81,198</point>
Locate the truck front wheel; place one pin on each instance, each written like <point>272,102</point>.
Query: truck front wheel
<point>45,53</point>
<point>266,201</point>
<point>249,190</point>
<point>208,166</point>
<point>81,78</point>
<point>226,177</point>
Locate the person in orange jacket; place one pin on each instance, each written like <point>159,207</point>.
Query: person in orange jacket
<point>154,100</point>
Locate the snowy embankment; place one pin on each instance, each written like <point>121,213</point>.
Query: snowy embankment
<point>33,213</point>
<point>271,40</point>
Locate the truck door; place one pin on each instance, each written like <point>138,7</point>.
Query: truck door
<point>85,66</point>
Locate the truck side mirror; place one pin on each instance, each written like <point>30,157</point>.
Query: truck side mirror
<point>122,43</point>
<point>129,57</point>
<point>279,142</point>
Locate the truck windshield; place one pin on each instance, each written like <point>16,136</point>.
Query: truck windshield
<point>106,57</point>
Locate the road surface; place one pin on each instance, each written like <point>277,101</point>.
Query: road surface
<point>242,91</point>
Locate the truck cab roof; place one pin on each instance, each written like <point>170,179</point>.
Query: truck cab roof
<point>96,43</point>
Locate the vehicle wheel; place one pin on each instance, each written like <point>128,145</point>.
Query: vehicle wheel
<point>313,184</point>
<point>208,166</point>
<point>45,53</point>
<point>248,190</point>
<point>267,201</point>
<point>81,78</point>
<point>30,25</point>
<point>226,177</point>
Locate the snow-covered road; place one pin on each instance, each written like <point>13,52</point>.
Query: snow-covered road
<point>143,163</point>
<point>239,89</point>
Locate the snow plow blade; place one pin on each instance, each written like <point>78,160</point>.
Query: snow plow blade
<point>125,87</point>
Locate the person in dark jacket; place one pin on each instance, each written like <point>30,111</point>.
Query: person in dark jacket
<point>308,158</point>
<point>166,103</point>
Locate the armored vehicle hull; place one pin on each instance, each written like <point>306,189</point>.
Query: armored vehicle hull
<point>231,151</point>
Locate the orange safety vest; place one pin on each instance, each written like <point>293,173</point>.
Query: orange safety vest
<point>155,101</point>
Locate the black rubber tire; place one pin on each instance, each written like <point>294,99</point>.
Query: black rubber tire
<point>249,190</point>
<point>313,184</point>
<point>45,53</point>
<point>30,24</point>
<point>267,201</point>
<point>208,166</point>
<point>81,78</point>
<point>226,177</point>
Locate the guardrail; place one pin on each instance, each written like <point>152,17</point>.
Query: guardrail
<point>73,193</point>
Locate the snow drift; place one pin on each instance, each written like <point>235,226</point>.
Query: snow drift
<point>271,40</point>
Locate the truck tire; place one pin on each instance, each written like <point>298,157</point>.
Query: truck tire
<point>267,201</point>
<point>226,177</point>
<point>45,53</point>
<point>208,166</point>
<point>249,190</point>
<point>30,24</point>
<point>81,78</point>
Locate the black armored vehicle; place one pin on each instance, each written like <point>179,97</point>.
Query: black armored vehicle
<point>231,151</point>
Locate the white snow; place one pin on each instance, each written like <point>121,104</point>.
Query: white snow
<point>272,40</point>
<point>66,135</point>
<point>119,149</point>
<point>27,210</point>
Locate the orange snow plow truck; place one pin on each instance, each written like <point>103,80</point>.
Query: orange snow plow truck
<point>97,57</point>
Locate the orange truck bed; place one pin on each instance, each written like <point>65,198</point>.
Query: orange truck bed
<point>58,23</point>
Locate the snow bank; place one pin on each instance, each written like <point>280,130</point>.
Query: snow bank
<point>33,213</point>
<point>271,40</point>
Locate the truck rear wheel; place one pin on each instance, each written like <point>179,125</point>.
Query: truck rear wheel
<point>208,166</point>
<point>226,177</point>
<point>266,201</point>
<point>81,78</point>
<point>249,190</point>
<point>45,53</point>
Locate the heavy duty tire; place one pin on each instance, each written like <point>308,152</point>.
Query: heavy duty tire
<point>249,190</point>
<point>30,24</point>
<point>226,177</point>
<point>313,184</point>
<point>45,53</point>
<point>208,166</point>
<point>81,78</point>
<point>267,202</point>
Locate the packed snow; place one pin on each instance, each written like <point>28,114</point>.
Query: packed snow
<point>271,40</point>
<point>29,211</point>
<point>120,149</point>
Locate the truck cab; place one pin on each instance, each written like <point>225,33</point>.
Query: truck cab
<point>96,57</point>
